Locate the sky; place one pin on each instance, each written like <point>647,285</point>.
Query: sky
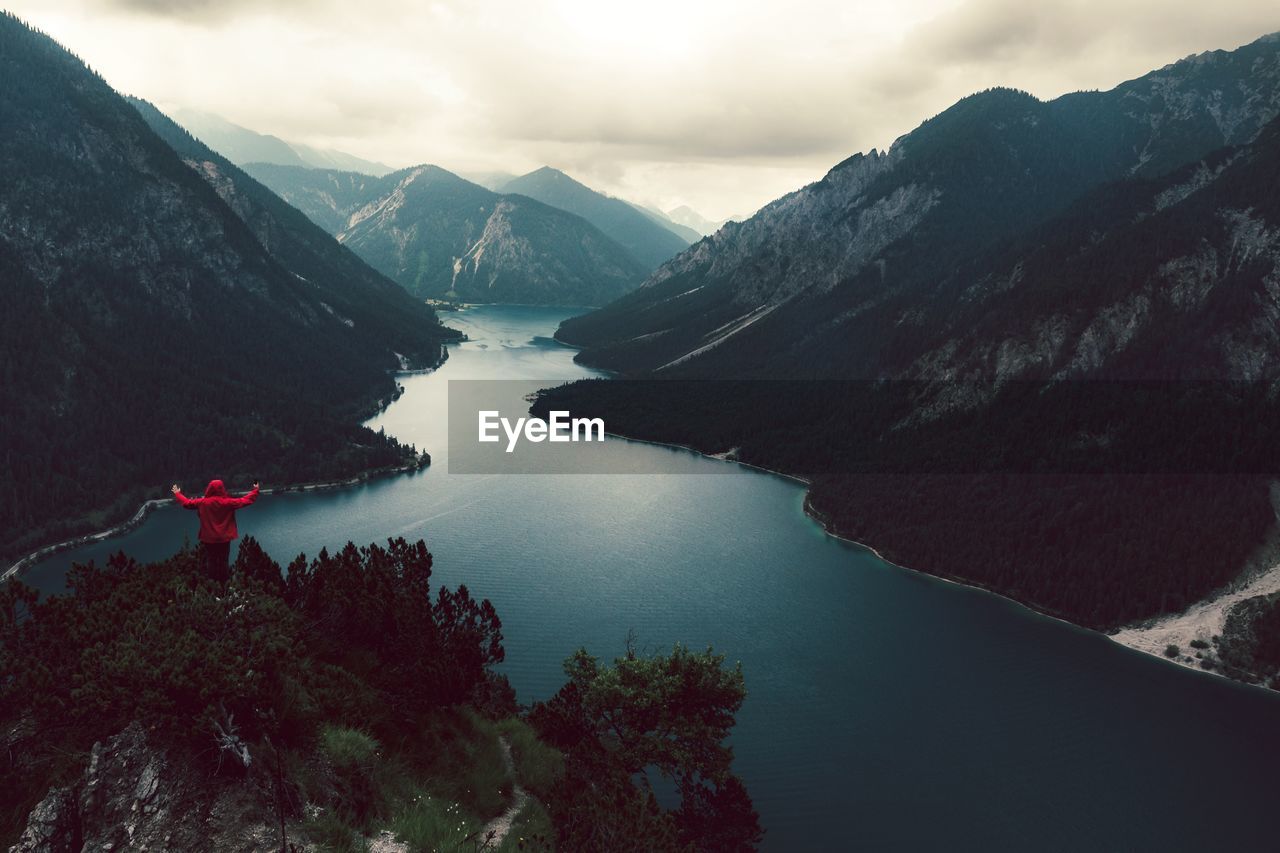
<point>722,106</point>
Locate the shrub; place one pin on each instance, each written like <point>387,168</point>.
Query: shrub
<point>433,823</point>
<point>353,762</point>
<point>664,713</point>
<point>538,766</point>
<point>348,748</point>
<point>1172,651</point>
<point>1199,644</point>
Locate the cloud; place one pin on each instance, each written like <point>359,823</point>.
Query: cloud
<point>717,104</point>
<point>205,10</point>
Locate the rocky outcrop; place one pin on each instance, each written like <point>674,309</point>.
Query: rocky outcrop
<point>867,270</point>
<point>132,796</point>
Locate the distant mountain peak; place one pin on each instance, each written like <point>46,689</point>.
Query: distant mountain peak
<point>440,235</point>
<point>647,239</point>
<point>242,145</point>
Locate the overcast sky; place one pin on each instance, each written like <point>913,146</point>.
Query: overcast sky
<point>719,105</point>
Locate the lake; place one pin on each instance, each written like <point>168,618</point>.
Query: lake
<point>886,709</point>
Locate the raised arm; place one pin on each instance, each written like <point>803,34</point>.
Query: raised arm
<point>183,499</point>
<point>245,500</point>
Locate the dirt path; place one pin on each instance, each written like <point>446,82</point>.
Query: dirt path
<point>501,824</point>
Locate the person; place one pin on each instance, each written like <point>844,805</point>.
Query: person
<point>217,511</point>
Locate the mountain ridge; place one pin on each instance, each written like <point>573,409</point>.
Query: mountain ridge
<point>648,241</point>
<point>991,165</point>
<point>148,333</point>
<point>241,145</point>
<point>960,295</point>
<point>441,236</point>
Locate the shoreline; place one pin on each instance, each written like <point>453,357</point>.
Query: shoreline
<point>1253,580</point>
<point>17,569</point>
<point>423,460</point>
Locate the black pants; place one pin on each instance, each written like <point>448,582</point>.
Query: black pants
<point>217,560</point>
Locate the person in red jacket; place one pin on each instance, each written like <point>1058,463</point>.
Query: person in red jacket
<point>217,511</point>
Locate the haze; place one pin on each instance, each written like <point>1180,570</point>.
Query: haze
<point>719,105</point>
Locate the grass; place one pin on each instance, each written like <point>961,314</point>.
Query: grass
<point>531,831</point>
<point>538,766</point>
<point>435,788</point>
<point>460,759</point>
<point>330,833</point>
<point>431,824</point>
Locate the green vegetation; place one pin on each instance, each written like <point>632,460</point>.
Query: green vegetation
<point>359,701</point>
<point>667,714</point>
<point>1249,647</point>
<point>1199,644</point>
<point>1085,491</point>
<point>538,765</point>
<point>1172,651</point>
<point>996,497</point>
<point>147,334</point>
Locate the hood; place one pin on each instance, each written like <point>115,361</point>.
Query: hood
<point>215,490</point>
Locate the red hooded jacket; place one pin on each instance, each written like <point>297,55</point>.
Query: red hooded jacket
<point>217,511</point>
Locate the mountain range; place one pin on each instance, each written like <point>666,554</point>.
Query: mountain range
<point>164,316</point>
<point>648,241</point>
<point>544,261</point>
<point>241,145</point>
<point>1006,244</point>
<point>443,237</point>
<point>851,276</point>
<point>692,219</point>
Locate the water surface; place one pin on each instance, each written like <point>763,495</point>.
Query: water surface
<point>886,709</point>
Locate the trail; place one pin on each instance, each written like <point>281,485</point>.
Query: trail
<point>501,825</point>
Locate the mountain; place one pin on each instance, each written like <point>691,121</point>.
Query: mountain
<point>687,234</point>
<point>328,158</point>
<point>327,197</point>
<point>444,237</point>
<point>690,218</point>
<point>984,321</point>
<point>647,241</point>
<point>366,300</point>
<point>241,145</point>
<point>489,180</point>
<point>820,273</point>
<point>237,143</point>
<point>148,333</point>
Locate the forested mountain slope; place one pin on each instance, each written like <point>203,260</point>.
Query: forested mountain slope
<point>831,267</point>
<point>1019,282</point>
<point>148,334</point>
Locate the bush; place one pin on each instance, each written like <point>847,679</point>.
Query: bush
<point>1172,651</point>
<point>346,654</point>
<point>331,834</point>
<point>538,766</point>
<point>433,823</point>
<point>1199,644</point>
<point>668,714</point>
<point>353,764</point>
<point>348,748</point>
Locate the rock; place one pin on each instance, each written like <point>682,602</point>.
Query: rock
<point>132,796</point>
